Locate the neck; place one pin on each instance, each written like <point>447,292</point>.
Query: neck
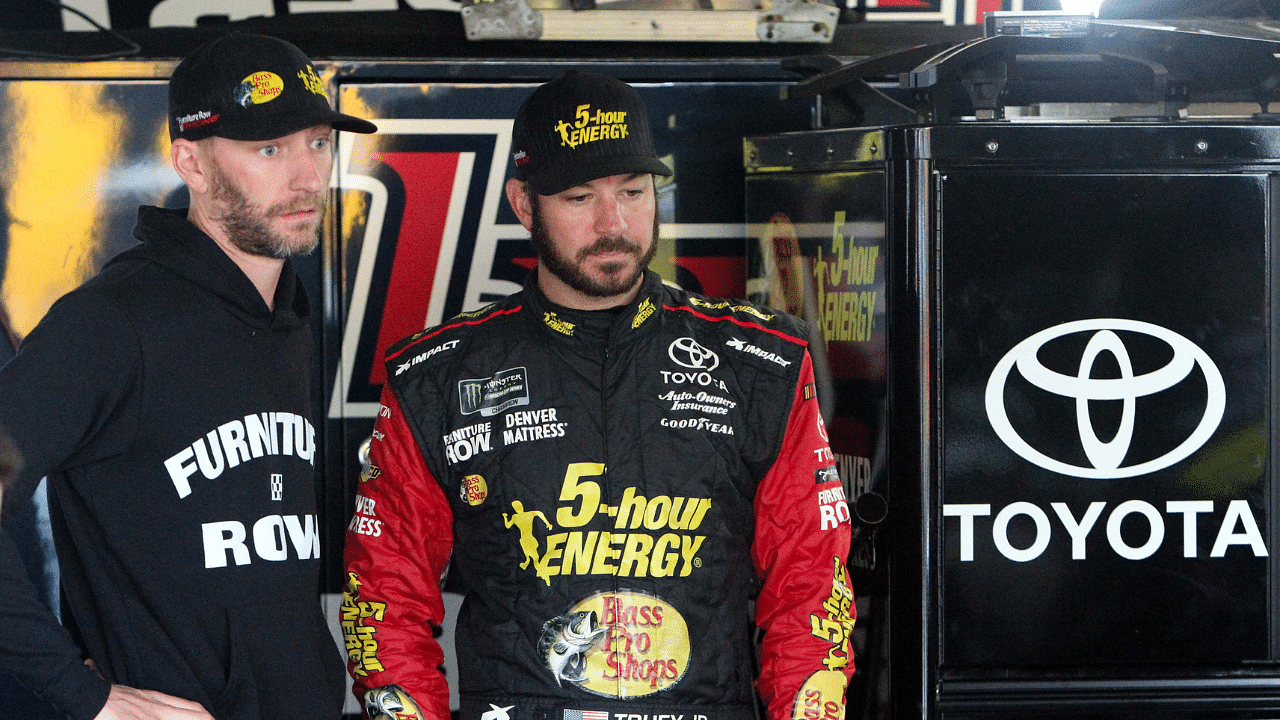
<point>263,272</point>
<point>563,295</point>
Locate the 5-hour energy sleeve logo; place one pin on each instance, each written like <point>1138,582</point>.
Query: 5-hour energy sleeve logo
<point>836,626</point>
<point>361,640</point>
<point>821,696</point>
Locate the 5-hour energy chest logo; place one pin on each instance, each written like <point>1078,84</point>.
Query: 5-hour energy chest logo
<point>648,537</point>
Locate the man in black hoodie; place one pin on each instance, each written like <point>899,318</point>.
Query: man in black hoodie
<point>168,402</point>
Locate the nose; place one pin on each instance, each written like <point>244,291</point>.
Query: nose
<point>309,167</point>
<point>609,216</point>
<point>311,173</point>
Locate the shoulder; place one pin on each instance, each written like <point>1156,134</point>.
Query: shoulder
<point>743,327</point>
<point>132,283</point>
<point>437,343</point>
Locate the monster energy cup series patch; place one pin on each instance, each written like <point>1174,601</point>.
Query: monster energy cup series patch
<point>490,396</point>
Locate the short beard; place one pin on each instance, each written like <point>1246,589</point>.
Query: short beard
<point>246,226</point>
<point>570,272</point>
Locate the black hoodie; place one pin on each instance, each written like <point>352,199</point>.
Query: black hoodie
<point>170,409</point>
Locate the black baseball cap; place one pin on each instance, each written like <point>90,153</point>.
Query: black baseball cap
<point>250,87</point>
<point>580,127</point>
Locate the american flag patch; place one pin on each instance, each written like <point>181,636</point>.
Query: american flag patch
<point>586,715</point>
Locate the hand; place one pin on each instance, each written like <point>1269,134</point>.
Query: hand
<point>126,703</point>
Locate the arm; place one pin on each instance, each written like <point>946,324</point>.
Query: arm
<point>398,545</point>
<point>801,545</point>
<point>127,703</point>
<point>63,399</point>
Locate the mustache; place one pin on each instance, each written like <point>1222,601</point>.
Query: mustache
<point>311,201</point>
<point>609,243</point>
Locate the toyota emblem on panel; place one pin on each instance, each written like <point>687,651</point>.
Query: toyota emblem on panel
<point>686,352</point>
<point>1106,458</point>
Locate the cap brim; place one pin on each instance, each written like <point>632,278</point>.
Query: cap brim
<point>550,181</point>
<point>270,129</point>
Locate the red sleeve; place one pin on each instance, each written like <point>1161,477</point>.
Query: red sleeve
<point>397,548</point>
<point>802,542</point>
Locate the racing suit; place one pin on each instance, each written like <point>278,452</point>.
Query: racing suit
<point>610,490</point>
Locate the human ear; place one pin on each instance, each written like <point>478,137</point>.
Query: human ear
<point>188,161</point>
<point>518,195</point>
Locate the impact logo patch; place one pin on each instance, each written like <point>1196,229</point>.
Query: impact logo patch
<point>420,357</point>
<point>746,347</point>
<point>260,87</point>
<point>490,396</point>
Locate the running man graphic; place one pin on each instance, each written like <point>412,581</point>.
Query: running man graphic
<point>523,521</point>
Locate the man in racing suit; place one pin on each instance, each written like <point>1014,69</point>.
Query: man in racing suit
<point>612,470</point>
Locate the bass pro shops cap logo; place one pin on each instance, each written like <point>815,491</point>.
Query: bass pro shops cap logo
<point>260,87</point>
<point>1106,458</point>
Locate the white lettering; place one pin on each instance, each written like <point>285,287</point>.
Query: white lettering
<point>1238,512</point>
<point>1118,544</point>
<point>698,424</point>
<point>268,538</point>
<point>304,536</point>
<point>966,513</point>
<point>232,436</point>
<point>219,537</point>
<point>1238,527</point>
<point>238,441</point>
<point>999,532</point>
<point>1078,530</point>
<point>181,473</point>
<point>1189,510</point>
